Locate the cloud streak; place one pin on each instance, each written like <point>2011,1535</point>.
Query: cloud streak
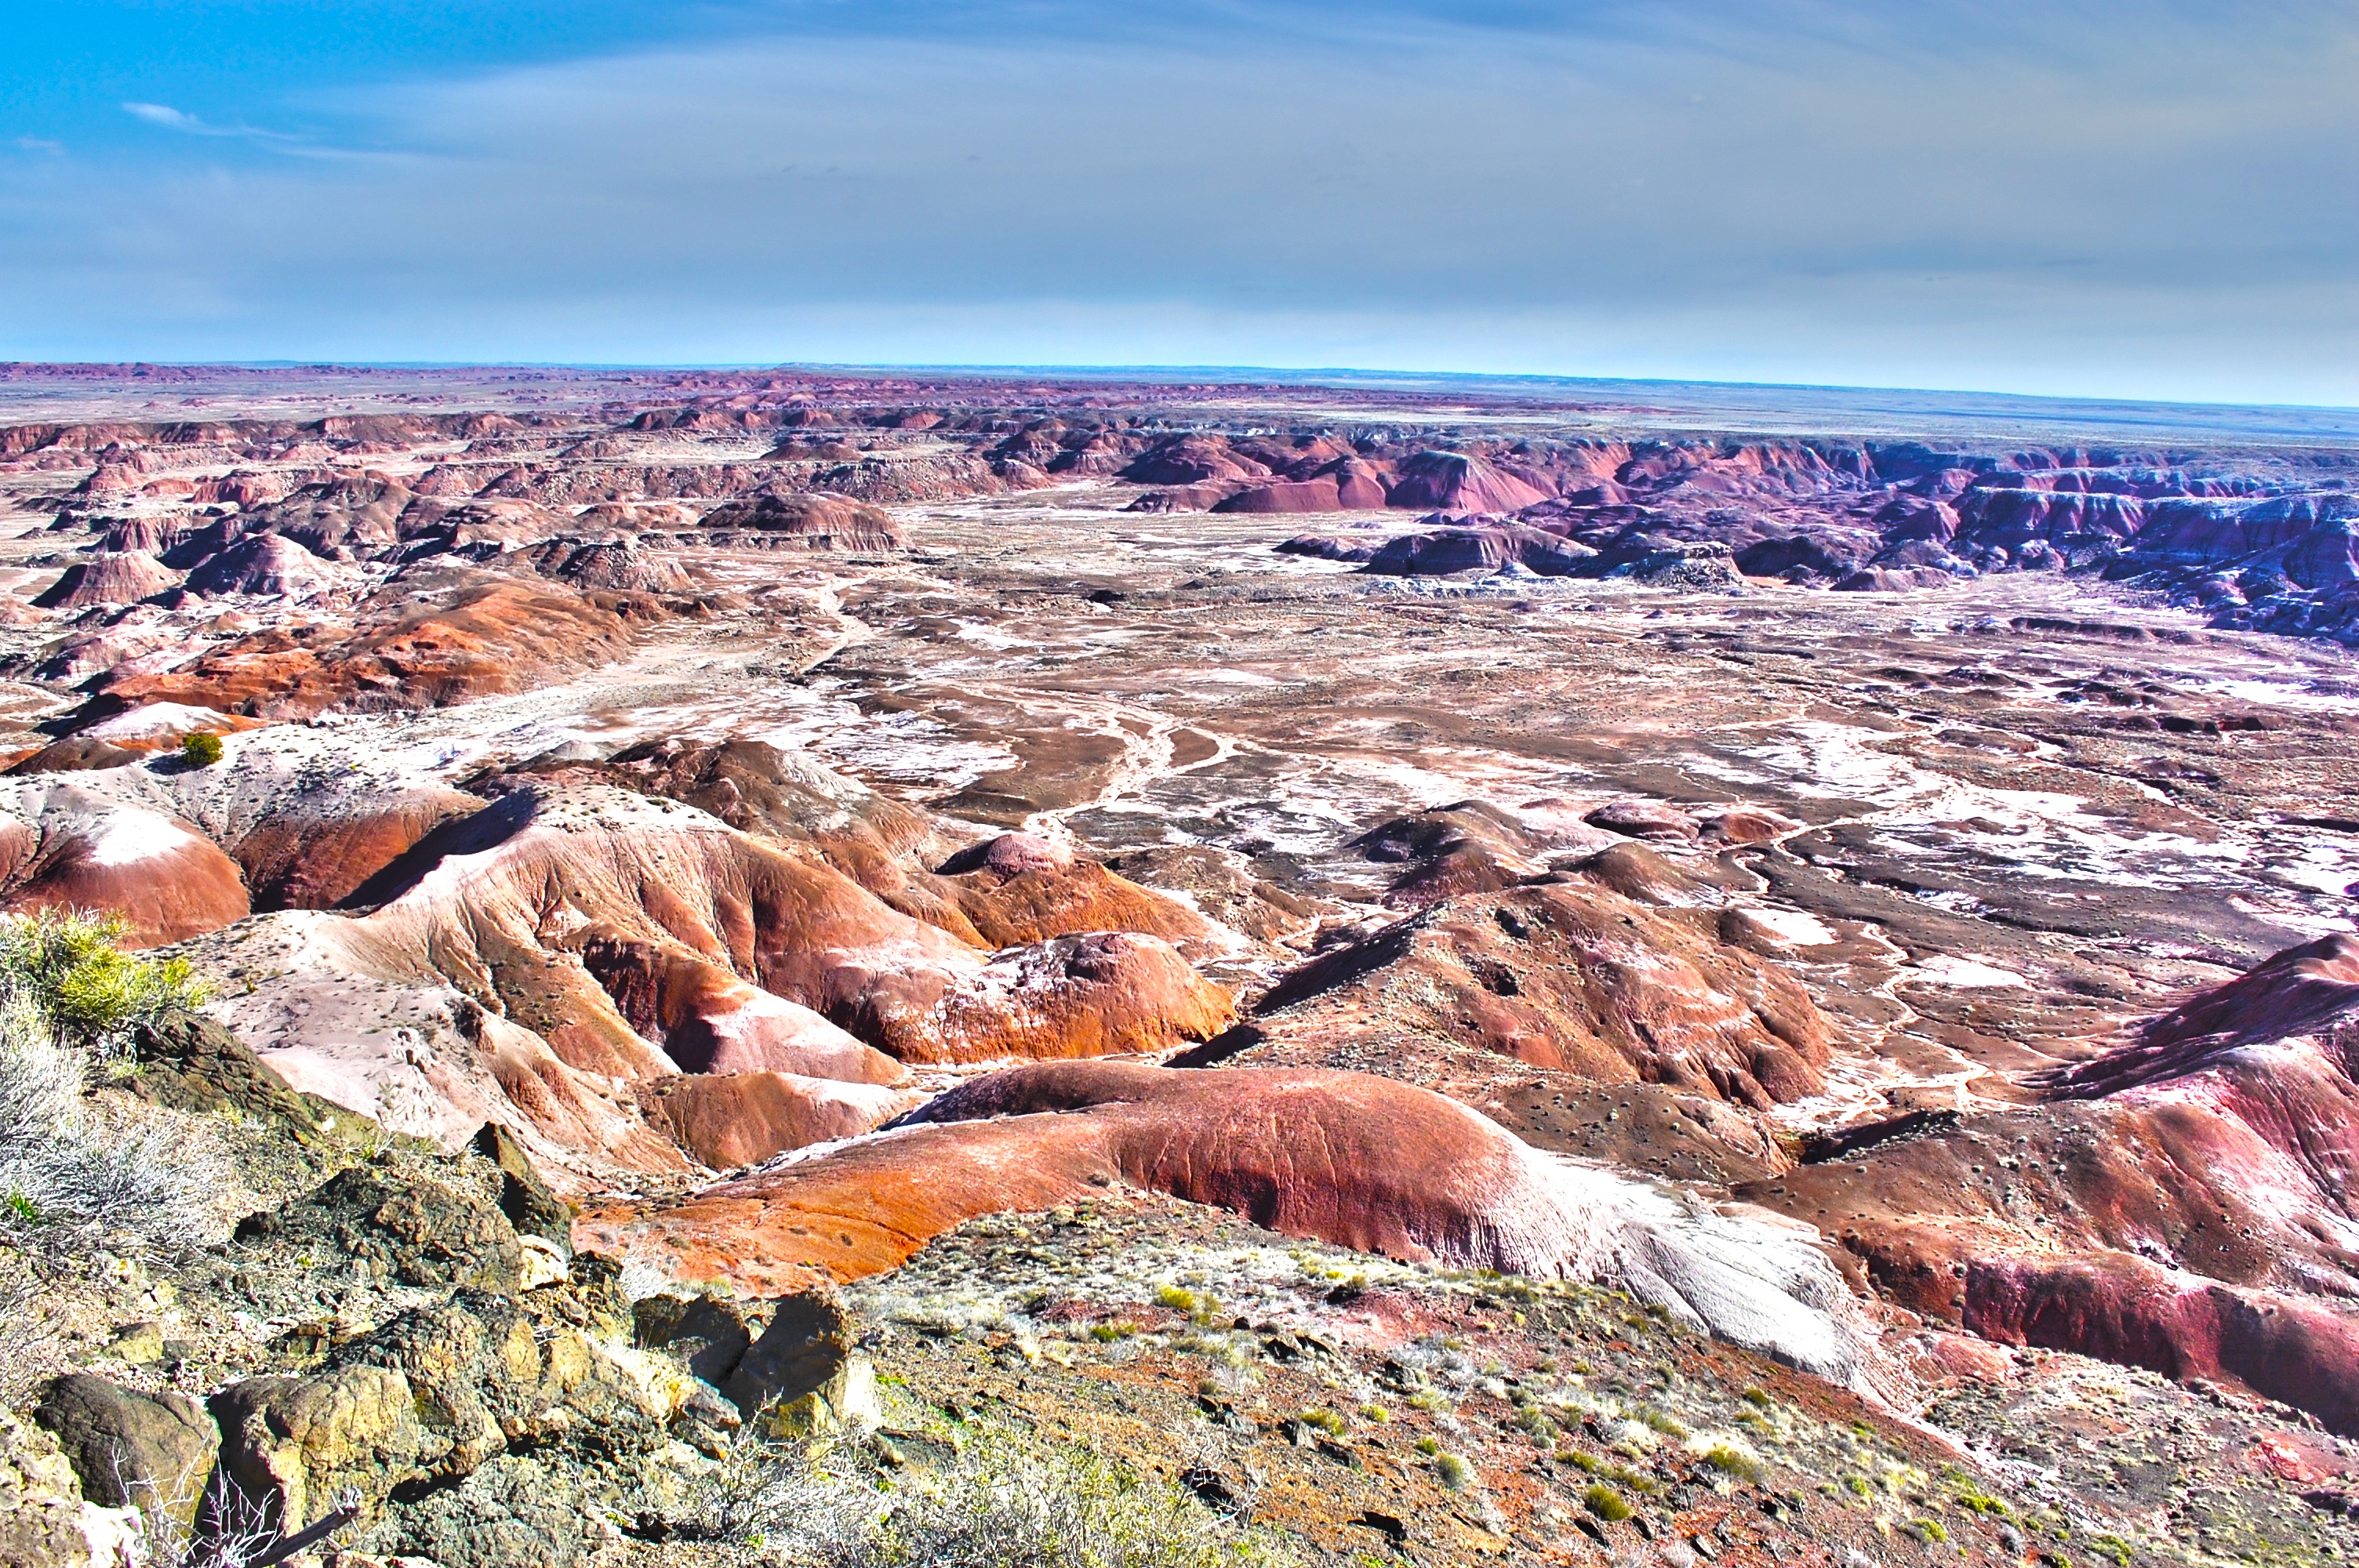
<point>2130,200</point>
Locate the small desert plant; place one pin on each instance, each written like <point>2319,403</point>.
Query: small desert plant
<point>1732,1462</point>
<point>63,1171</point>
<point>70,965</point>
<point>1606,1503</point>
<point>1006,1500</point>
<point>1453,1471</point>
<point>200,750</point>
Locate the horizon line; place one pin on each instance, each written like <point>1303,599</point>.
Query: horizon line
<point>1234,374</point>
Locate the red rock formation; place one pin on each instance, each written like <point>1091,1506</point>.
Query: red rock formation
<point>757,788</point>
<point>728,1122</point>
<point>120,577</point>
<point>601,922</point>
<point>1347,485</point>
<point>1363,1162</point>
<point>2303,1352</point>
<point>709,1020</point>
<point>317,850</point>
<point>1193,460</point>
<point>497,637</point>
<point>1569,976</point>
<point>2166,1206</point>
<point>824,522</point>
<point>72,850</point>
<point>1457,482</point>
<point>1016,889</point>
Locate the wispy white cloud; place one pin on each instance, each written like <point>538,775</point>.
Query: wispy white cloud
<point>172,119</point>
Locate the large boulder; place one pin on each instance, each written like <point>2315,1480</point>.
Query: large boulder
<point>131,1450</point>
<point>525,1198</point>
<point>710,1334</point>
<point>805,1350</point>
<point>292,1446</point>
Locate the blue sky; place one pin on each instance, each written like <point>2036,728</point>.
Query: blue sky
<point>2114,198</point>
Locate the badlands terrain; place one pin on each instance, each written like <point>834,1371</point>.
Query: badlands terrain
<point>1433,974</point>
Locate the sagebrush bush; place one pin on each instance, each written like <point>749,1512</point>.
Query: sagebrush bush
<point>1005,1500</point>
<point>67,992</point>
<point>63,1168</point>
<point>70,965</point>
<point>201,750</point>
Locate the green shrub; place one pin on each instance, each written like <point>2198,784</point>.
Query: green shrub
<point>200,750</point>
<point>70,967</point>
<point>1732,1461</point>
<point>1606,1503</point>
<point>1327,1422</point>
<point>1178,1300</point>
<point>1928,1530</point>
<point>1662,1421</point>
<point>1454,1471</point>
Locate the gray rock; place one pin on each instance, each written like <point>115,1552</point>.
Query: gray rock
<point>806,1346</point>
<point>131,1450</point>
<point>512,1512</point>
<point>420,1232</point>
<point>525,1198</point>
<point>711,1335</point>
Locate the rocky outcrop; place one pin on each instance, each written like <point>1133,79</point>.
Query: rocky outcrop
<point>290,1446</point>
<point>420,1233</point>
<point>44,1520</point>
